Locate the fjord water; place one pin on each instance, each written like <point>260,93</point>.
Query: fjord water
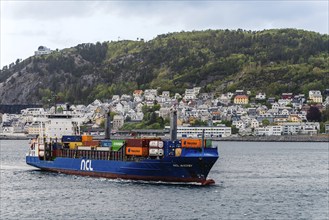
<point>254,180</point>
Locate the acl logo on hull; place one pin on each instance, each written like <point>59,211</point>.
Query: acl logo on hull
<point>86,165</point>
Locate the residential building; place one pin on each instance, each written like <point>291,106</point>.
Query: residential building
<point>239,92</point>
<point>118,122</point>
<point>294,118</point>
<point>254,123</point>
<point>137,93</point>
<point>260,96</point>
<point>189,94</point>
<point>42,50</point>
<point>150,94</point>
<point>288,96</point>
<point>315,96</point>
<point>164,112</point>
<point>241,100</point>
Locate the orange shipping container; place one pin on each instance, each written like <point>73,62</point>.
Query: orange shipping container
<point>192,143</point>
<point>87,138</point>
<point>137,151</point>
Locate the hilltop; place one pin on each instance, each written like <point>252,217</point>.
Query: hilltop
<point>272,61</point>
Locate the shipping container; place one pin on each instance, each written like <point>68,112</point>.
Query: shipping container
<point>103,148</point>
<point>84,148</point>
<point>57,146</point>
<point>71,138</point>
<point>192,143</point>
<point>208,143</point>
<point>137,151</point>
<point>156,143</point>
<point>41,147</point>
<point>155,152</point>
<point>91,143</point>
<point>106,143</point>
<point>74,145</point>
<point>117,144</point>
<point>41,153</point>
<point>57,153</point>
<point>137,142</point>
<point>87,138</point>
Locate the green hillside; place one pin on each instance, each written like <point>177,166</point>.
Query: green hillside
<point>271,61</point>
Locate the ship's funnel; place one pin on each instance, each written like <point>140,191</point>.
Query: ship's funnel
<point>108,125</point>
<point>173,125</point>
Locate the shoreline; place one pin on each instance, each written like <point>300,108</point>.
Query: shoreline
<point>292,138</point>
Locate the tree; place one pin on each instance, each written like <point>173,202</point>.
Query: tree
<point>265,122</point>
<point>17,61</point>
<point>112,115</point>
<point>102,124</point>
<point>235,130</point>
<point>325,114</point>
<point>128,118</point>
<point>313,114</point>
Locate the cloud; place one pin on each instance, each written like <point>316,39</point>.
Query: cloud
<point>60,24</point>
<point>47,10</point>
<point>185,14</point>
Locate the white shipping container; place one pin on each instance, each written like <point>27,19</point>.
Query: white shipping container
<point>84,147</point>
<point>41,147</point>
<point>103,148</point>
<point>158,144</point>
<point>155,152</point>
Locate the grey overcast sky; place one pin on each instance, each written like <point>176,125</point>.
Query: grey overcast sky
<point>25,25</point>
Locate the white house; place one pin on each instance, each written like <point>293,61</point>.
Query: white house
<point>254,123</point>
<point>118,122</point>
<point>42,50</point>
<point>315,96</point>
<point>260,96</point>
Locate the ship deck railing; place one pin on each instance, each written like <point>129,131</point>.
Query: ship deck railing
<point>90,154</point>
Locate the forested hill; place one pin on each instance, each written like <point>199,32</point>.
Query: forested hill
<point>271,61</point>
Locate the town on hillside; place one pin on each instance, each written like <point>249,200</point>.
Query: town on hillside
<point>218,116</point>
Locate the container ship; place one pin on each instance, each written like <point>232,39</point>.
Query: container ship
<point>149,159</point>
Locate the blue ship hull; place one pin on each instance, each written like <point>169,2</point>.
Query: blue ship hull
<point>191,166</point>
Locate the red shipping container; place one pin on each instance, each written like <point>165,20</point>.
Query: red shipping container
<point>90,143</point>
<point>137,142</point>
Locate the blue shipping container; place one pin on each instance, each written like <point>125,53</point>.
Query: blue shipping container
<point>71,138</point>
<point>106,143</point>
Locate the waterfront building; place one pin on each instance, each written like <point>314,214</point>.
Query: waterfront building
<point>210,132</point>
<point>269,131</point>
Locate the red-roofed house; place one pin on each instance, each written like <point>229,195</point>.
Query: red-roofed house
<point>241,99</point>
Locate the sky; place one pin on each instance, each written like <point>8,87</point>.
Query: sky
<point>26,25</point>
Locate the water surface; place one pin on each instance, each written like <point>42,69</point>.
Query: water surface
<point>253,181</point>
